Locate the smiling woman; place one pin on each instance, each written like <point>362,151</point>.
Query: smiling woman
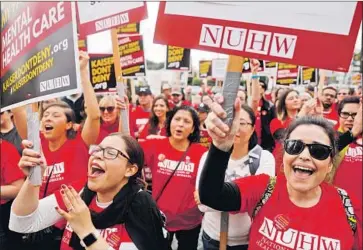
<point>109,212</point>
<point>292,202</point>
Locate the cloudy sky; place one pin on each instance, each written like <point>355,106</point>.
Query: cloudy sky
<point>102,43</point>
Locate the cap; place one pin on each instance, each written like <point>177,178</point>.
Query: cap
<point>263,82</point>
<point>203,108</point>
<point>144,90</point>
<point>166,86</point>
<point>176,90</point>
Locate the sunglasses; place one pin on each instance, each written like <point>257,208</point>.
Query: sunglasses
<point>345,115</point>
<point>109,109</point>
<point>317,151</point>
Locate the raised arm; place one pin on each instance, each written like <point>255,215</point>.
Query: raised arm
<point>255,85</point>
<point>91,127</point>
<point>213,191</point>
<point>20,121</point>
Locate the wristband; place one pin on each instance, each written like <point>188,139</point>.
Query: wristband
<point>255,77</point>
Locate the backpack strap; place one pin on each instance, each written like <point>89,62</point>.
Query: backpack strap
<point>254,158</point>
<point>349,210</point>
<point>266,195</point>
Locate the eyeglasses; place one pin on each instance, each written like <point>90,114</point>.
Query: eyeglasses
<point>108,152</point>
<point>316,150</point>
<point>109,109</point>
<point>345,115</point>
<point>244,124</point>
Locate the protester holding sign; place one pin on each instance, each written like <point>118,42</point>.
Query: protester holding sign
<point>65,150</point>
<point>247,159</point>
<point>156,125</point>
<point>174,165</point>
<point>292,202</point>
<point>109,212</point>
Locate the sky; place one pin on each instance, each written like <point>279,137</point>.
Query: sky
<point>155,52</point>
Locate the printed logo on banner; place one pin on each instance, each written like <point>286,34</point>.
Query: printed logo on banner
<point>132,55</point>
<point>177,58</point>
<point>102,73</point>
<point>205,68</point>
<point>37,39</point>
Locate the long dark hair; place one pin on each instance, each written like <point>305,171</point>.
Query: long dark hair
<point>281,108</point>
<point>154,120</point>
<point>193,137</point>
<point>68,112</point>
<point>252,142</point>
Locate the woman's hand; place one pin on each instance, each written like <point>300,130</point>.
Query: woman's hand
<point>222,135</point>
<point>308,108</point>
<point>254,65</point>
<point>83,60</point>
<point>30,158</point>
<point>78,215</point>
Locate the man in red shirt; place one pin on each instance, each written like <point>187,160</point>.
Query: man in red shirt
<point>140,114</point>
<point>166,91</point>
<point>328,100</point>
<point>176,98</point>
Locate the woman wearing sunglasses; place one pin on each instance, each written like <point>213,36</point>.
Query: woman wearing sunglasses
<point>156,125</point>
<point>110,109</point>
<point>247,159</point>
<point>109,212</point>
<point>297,210</point>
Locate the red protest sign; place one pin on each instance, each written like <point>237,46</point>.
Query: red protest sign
<point>97,16</point>
<point>302,33</point>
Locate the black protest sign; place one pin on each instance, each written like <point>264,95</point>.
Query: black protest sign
<point>132,57</point>
<point>308,75</point>
<point>102,73</point>
<point>205,68</point>
<point>38,55</point>
<point>287,74</point>
<point>177,58</point>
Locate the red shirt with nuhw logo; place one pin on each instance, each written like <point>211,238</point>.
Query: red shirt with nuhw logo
<point>177,200</point>
<point>115,236</point>
<point>280,224</point>
<point>66,165</point>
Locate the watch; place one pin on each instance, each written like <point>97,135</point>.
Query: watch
<point>90,239</point>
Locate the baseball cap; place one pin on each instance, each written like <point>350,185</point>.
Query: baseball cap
<point>144,90</point>
<point>203,108</point>
<point>176,90</point>
<point>166,86</point>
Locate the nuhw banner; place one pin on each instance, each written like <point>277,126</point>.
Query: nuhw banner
<point>97,16</point>
<point>177,58</point>
<point>102,73</point>
<point>301,33</point>
<point>308,75</point>
<point>39,52</point>
<point>205,68</point>
<point>287,74</point>
<point>132,56</point>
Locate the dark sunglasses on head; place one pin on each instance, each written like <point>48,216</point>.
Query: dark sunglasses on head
<point>109,109</point>
<point>345,115</point>
<point>316,150</point>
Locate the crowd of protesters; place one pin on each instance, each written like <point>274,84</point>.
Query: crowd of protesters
<point>288,172</point>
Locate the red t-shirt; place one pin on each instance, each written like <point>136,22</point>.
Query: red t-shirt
<point>69,164</point>
<point>107,129</point>
<point>9,170</point>
<point>205,140</point>
<point>282,225</point>
<point>138,119</point>
<point>349,172</point>
<point>145,132</point>
<point>332,116</point>
<point>116,236</point>
<point>177,200</point>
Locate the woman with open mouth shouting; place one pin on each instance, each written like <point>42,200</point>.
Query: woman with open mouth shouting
<point>65,151</point>
<point>109,212</point>
<point>297,210</point>
<point>174,165</point>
